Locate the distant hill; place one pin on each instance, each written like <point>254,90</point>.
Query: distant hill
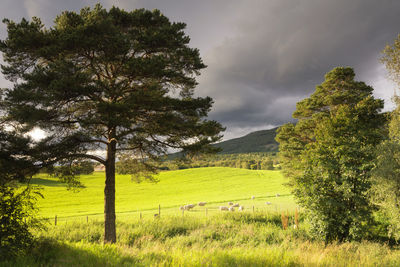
<point>260,141</point>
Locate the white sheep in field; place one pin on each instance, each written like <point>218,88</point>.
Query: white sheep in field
<point>230,203</point>
<point>201,204</point>
<point>182,208</point>
<point>231,209</point>
<point>241,208</point>
<point>253,197</point>
<point>189,206</point>
<point>268,203</point>
<point>236,205</point>
<point>277,195</point>
<point>223,208</point>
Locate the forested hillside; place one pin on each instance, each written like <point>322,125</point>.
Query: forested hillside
<point>260,141</point>
<point>250,161</point>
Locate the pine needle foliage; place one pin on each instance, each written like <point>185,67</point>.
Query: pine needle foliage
<point>107,79</point>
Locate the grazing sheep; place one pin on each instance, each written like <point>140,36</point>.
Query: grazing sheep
<point>268,203</point>
<point>236,205</point>
<point>230,203</point>
<point>241,208</point>
<point>253,197</point>
<point>181,207</point>
<point>189,206</point>
<point>231,209</point>
<point>201,204</point>
<point>223,208</point>
<point>277,195</point>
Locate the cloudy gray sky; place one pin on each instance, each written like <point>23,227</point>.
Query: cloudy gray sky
<point>262,56</point>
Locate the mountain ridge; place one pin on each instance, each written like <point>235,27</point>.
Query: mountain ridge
<point>258,141</point>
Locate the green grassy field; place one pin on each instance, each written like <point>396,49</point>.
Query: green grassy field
<point>249,238</point>
<point>216,186</point>
<point>224,239</point>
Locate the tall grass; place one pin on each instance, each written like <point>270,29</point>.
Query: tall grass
<point>229,239</point>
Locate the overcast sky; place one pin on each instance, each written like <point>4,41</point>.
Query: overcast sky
<point>262,56</point>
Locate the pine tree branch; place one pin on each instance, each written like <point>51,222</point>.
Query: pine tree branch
<point>88,156</point>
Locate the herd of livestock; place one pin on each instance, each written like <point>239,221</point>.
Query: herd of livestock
<point>230,207</point>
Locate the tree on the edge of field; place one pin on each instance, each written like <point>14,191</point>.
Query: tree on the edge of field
<point>385,190</point>
<point>115,80</point>
<point>17,197</point>
<point>328,154</point>
<point>386,182</point>
<point>391,60</point>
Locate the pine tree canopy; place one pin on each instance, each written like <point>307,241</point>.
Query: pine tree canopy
<point>115,80</point>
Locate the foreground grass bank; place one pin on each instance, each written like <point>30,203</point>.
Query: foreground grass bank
<point>229,239</point>
<point>215,185</point>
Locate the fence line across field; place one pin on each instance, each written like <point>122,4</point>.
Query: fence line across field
<point>141,214</point>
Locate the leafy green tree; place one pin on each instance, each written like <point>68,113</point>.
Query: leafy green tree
<point>328,154</point>
<point>386,175</point>
<point>17,210</point>
<point>114,80</point>
<point>391,60</point>
<point>267,164</point>
<point>386,182</point>
<point>17,201</point>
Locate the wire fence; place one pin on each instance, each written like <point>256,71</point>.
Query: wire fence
<point>207,210</point>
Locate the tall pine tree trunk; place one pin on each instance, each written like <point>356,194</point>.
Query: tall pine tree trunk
<point>109,195</point>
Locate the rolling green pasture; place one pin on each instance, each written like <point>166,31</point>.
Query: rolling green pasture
<point>216,186</point>
<point>220,239</point>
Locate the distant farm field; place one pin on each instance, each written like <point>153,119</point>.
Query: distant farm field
<point>216,186</point>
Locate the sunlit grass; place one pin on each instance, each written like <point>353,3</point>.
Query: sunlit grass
<point>216,186</point>
<point>249,238</point>
<point>225,239</point>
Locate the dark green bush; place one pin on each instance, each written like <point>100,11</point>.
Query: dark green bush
<point>16,221</point>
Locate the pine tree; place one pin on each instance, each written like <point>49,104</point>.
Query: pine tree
<point>114,80</point>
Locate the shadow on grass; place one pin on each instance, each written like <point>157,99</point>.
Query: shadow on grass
<point>47,182</point>
<point>52,253</point>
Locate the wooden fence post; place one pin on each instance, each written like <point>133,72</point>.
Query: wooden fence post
<point>55,220</point>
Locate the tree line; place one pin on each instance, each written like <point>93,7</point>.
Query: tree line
<point>250,161</point>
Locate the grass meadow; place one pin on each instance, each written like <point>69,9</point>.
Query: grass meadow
<point>249,238</point>
<point>225,239</point>
<point>216,186</point>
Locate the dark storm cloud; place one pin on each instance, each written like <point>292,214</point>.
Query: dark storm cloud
<point>283,49</point>
<point>264,56</point>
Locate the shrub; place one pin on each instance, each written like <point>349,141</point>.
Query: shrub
<point>15,208</point>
